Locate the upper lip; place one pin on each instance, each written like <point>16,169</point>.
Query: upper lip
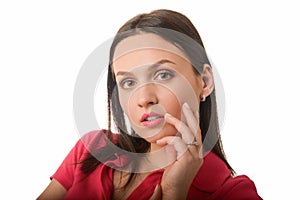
<point>144,116</point>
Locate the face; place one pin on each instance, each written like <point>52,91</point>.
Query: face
<point>154,78</point>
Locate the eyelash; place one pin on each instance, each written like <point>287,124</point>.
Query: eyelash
<point>168,73</point>
<point>132,82</point>
<point>123,82</point>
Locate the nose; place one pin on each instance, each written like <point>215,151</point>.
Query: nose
<point>146,96</point>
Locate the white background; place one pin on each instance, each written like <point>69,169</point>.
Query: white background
<point>254,44</point>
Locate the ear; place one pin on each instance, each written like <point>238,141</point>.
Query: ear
<point>208,79</point>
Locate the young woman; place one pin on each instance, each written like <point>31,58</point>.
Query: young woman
<point>162,99</point>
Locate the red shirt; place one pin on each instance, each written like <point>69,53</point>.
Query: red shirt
<point>213,181</point>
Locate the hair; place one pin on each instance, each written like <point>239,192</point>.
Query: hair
<point>149,23</point>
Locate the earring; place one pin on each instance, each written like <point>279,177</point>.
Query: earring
<point>203,97</point>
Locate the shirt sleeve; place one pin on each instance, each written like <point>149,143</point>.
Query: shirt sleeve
<point>70,167</point>
<point>66,171</point>
<point>242,188</point>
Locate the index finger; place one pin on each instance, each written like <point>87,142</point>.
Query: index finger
<point>185,131</point>
<point>193,122</point>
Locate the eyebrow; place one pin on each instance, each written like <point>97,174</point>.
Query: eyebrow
<point>157,64</point>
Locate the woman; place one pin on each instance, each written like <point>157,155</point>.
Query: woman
<point>162,99</point>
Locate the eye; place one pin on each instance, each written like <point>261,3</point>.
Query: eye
<point>163,75</point>
<point>127,83</point>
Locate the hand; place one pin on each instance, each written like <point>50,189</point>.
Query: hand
<point>178,177</point>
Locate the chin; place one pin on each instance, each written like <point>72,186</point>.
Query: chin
<point>166,131</point>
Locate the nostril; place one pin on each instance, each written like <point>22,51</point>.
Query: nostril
<point>145,102</point>
<point>146,96</point>
<point>151,103</point>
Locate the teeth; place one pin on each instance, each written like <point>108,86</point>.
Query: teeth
<point>152,118</point>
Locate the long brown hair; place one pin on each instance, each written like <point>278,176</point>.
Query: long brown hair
<point>149,22</point>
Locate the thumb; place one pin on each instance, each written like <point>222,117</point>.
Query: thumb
<point>157,194</point>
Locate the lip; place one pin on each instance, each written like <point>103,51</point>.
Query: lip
<point>151,123</point>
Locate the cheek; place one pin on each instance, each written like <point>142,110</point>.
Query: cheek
<point>169,99</point>
<point>184,91</point>
<point>129,104</point>
<point>124,98</point>
<point>171,103</point>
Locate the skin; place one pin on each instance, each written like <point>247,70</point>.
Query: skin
<point>164,96</point>
<point>144,84</point>
<point>142,94</point>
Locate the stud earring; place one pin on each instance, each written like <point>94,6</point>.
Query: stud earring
<point>203,97</point>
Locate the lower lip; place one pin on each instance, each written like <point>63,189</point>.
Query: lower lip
<point>153,123</point>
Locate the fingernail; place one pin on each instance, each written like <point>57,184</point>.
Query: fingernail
<point>167,115</point>
<point>159,142</point>
<point>186,105</point>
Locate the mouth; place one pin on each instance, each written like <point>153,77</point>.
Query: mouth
<point>151,119</point>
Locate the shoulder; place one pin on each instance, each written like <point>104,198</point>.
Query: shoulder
<point>86,144</point>
<point>70,169</point>
<point>97,139</point>
<point>90,136</point>
<point>239,187</point>
<point>215,180</point>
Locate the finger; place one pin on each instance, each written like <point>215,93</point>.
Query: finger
<point>185,131</point>
<point>177,142</point>
<point>180,147</point>
<point>191,120</point>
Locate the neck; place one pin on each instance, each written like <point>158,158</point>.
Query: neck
<point>154,147</point>
<point>160,156</point>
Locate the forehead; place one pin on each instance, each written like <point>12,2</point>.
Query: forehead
<point>144,49</point>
